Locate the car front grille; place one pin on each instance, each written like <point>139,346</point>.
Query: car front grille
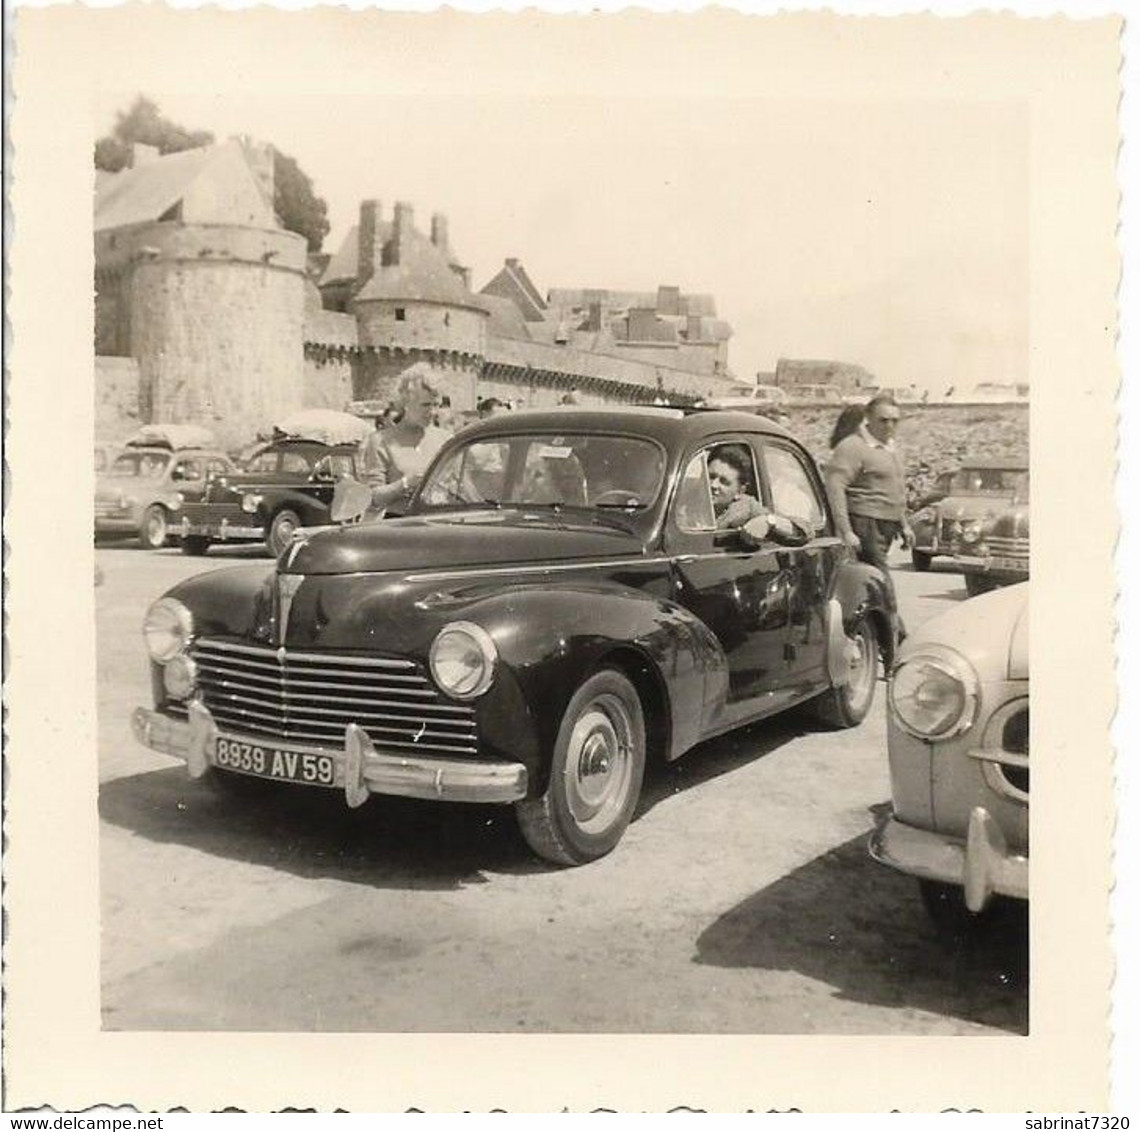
<point>1015,741</point>
<point>106,509</point>
<point>1009,548</point>
<point>312,697</point>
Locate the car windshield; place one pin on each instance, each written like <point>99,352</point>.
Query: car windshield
<point>141,465</point>
<point>987,481</point>
<point>567,470</point>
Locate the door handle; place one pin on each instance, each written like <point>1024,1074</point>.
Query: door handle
<point>684,559</point>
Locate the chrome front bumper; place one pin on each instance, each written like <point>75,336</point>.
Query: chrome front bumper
<point>361,770</point>
<point>219,531</point>
<point>982,864</point>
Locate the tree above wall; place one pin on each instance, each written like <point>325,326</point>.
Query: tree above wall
<point>294,199</point>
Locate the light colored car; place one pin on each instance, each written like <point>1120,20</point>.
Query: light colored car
<point>143,489</point>
<point>958,743</point>
<point>753,399</point>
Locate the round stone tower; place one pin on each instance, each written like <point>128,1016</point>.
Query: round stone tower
<point>412,305</point>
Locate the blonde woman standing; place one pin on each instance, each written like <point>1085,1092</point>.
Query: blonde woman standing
<point>395,459</point>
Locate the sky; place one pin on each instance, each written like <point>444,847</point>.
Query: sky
<point>882,232</point>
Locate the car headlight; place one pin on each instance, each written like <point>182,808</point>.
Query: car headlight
<point>971,532</point>
<point>925,515</point>
<point>167,629</point>
<point>180,678</point>
<point>250,503</point>
<point>463,660</point>
<point>934,693</point>
<point>125,502</point>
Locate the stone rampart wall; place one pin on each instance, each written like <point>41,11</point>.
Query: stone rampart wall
<point>117,409</point>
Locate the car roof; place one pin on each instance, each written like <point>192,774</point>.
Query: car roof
<point>994,466</point>
<point>665,424</point>
<point>164,450</point>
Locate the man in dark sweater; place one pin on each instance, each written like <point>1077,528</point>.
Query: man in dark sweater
<point>867,487</point>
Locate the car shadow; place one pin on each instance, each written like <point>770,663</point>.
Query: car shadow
<point>388,842</point>
<point>844,920</point>
<point>722,755</point>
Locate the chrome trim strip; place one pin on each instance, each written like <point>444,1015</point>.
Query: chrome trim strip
<point>270,653</point>
<point>235,688</point>
<point>549,568</point>
<point>240,668</point>
<point>290,713</point>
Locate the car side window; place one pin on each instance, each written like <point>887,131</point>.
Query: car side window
<point>186,470</point>
<point>342,465</point>
<point>216,468</point>
<point>263,462</point>
<point>793,492</point>
<point>294,462</point>
<point>693,510</point>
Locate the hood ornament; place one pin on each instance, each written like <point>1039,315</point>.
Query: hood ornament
<point>287,587</point>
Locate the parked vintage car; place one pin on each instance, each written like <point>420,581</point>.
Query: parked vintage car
<point>557,607</point>
<point>815,394</point>
<point>285,486</point>
<point>958,742</point>
<point>155,474</point>
<point>753,399</point>
<point>965,502</point>
<point>1001,556</point>
<point>105,453</point>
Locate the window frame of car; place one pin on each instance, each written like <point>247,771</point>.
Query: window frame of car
<point>714,537</point>
<point>808,466</point>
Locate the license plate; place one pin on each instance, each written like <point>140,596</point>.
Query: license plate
<point>275,762</point>
<point>1016,565</point>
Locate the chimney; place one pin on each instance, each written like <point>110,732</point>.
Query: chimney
<point>143,154</point>
<point>402,228</point>
<point>368,242</point>
<point>669,300</point>
<point>439,232</point>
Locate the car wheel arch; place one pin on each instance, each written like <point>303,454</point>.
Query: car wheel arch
<point>641,670</point>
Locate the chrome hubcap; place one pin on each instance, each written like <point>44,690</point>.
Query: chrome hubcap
<point>156,529</point>
<point>861,667</point>
<point>598,764</point>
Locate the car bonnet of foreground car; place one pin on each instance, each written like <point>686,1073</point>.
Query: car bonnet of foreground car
<point>992,631</point>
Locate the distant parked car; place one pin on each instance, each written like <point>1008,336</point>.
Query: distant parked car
<point>1001,555</point>
<point>958,743</point>
<point>559,605</point>
<point>285,486</point>
<point>958,512</point>
<point>153,476</point>
<point>753,400</point>
<point>816,394</point>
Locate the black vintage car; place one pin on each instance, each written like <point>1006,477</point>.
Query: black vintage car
<point>558,606</point>
<point>285,486</point>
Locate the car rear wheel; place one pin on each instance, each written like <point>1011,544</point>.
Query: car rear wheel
<point>154,529</point>
<point>847,705</point>
<point>921,560</point>
<point>595,774</point>
<point>195,544</point>
<point>281,531</point>
<point>978,584</point>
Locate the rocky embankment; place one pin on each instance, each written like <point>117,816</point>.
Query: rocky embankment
<point>933,438</point>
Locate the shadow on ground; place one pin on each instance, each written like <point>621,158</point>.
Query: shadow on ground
<point>846,921</point>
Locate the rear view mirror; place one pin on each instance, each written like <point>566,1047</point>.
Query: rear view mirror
<point>349,502</point>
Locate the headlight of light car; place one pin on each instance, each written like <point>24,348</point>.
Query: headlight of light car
<point>463,660</point>
<point>250,503</point>
<point>934,693</point>
<point>971,532</point>
<point>167,629</point>
<point>180,678</point>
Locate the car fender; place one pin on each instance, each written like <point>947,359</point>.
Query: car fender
<point>550,639</point>
<point>310,511</point>
<point>860,591</point>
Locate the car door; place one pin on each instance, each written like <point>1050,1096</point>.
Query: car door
<point>735,590</point>
<point>792,488</point>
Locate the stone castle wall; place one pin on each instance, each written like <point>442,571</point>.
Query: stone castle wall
<point>117,407</point>
<point>214,317</point>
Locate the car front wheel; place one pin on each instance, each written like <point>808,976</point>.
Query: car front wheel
<point>847,704</point>
<point>281,531</point>
<point>595,774</point>
<point>154,529</point>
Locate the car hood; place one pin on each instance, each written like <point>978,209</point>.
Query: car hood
<point>991,631</point>
<point>459,541</point>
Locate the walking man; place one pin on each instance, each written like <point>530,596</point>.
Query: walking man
<point>867,488</point>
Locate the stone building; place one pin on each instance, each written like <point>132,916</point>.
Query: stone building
<point>200,287</point>
<point>208,311</point>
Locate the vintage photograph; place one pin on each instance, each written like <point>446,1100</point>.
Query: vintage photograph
<point>562,557</point>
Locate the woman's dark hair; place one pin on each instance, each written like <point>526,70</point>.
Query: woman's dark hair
<point>735,456</point>
<point>846,423</point>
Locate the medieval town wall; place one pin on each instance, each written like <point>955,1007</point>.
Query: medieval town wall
<point>117,407</point>
<point>330,349</point>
